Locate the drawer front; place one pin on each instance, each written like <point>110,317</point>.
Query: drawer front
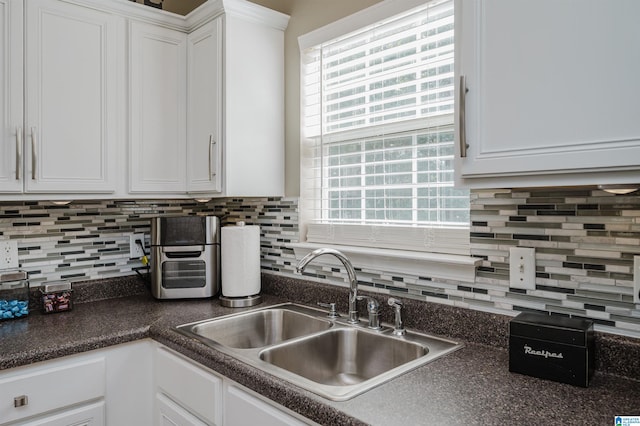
<point>50,386</point>
<point>197,390</point>
<point>86,415</point>
<point>168,413</point>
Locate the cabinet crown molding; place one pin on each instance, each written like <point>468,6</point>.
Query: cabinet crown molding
<point>253,12</point>
<point>204,13</point>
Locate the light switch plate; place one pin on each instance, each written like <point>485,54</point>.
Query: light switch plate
<point>8,254</point>
<point>636,279</point>
<point>522,267</point>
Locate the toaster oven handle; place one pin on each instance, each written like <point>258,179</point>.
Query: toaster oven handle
<point>175,249</point>
<point>182,254</point>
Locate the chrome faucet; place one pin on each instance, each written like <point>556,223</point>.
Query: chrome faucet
<point>353,281</point>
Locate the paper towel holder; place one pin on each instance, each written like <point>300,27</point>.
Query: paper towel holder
<point>232,295</point>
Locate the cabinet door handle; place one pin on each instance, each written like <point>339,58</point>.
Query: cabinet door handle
<point>20,401</point>
<point>18,151</point>
<point>212,142</point>
<point>462,118</point>
<point>34,155</point>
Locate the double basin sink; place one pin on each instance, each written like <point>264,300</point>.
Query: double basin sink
<point>329,357</point>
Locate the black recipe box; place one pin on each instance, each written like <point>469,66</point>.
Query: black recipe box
<point>552,347</point>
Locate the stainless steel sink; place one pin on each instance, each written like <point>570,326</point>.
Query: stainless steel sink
<point>329,357</point>
<point>257,329</point>
<point>344,356</point>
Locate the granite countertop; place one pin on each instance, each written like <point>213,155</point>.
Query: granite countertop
<point>470,386</point>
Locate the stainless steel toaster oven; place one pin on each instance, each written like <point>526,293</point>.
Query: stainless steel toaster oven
<point>185,257</point>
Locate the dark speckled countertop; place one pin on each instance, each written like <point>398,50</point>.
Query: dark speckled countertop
<point>470,386</point>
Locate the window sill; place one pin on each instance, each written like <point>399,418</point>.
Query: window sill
<point>431,265</point>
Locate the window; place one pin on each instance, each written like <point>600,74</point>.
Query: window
<point>378,135</point>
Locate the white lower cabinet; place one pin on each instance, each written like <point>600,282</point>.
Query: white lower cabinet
<point>137,383</point>
<point>243,408</point>
<point>189,394</point>
<point>195,389</point>
<point>44,393</point>
<point>104,387</point>
<point>129,400</point>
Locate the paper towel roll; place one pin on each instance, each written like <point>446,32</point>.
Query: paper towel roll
<point>240,260</point>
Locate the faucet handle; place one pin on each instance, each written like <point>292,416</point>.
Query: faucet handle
<point>333,314</point>
<point>373,310</point>
<point>395,302</point>
<point>372,304</point>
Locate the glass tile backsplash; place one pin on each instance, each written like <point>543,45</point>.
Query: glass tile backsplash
<point>585,241</point>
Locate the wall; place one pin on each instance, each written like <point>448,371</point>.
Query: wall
<point>585,241</point>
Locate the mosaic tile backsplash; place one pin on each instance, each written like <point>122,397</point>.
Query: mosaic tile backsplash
<point>90,240</point>
<point>584,239</point>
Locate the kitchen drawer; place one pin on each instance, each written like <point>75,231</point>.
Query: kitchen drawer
<point>170,413</point>
<point>50,386</point>
<point>91,414</point>
<point>195,389</point>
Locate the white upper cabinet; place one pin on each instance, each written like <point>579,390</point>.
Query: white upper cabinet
<point>58,105</point>
<point>158,105</point>
<point>204,109</point>
<point>11,104</point>
<point>552,92</point>
<point>111,99</point>
<point>231,98</point>
<point>70,140</point>
<point>254,102</point>
<point>236,103</point>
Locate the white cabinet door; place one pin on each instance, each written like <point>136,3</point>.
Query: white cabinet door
<point>236,139</point>
<point>194,388</point>
<point>35,390</point>
<point>242,408</point>
<point>552,88</point>
<point>70,94</point>
<point>87,415</point>
<point>11,122</point>
<point>158,66</point>
<point>109,386</point>
<point>168,413</point>
<point>129,396</point>
<point>204,110</point>
<point>253,108</point>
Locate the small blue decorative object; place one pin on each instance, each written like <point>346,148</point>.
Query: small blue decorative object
<point>14,294</point>
<point>13,308</point>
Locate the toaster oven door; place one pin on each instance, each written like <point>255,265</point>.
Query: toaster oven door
<point>185,271</point>
<point>184,274</point>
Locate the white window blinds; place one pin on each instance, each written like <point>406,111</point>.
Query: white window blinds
<point>378,134</point>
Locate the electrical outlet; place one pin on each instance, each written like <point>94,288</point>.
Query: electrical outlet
<point>135,251</point>
<point>522,267</point>
<point>636,279</point>
<point>8,254</point>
